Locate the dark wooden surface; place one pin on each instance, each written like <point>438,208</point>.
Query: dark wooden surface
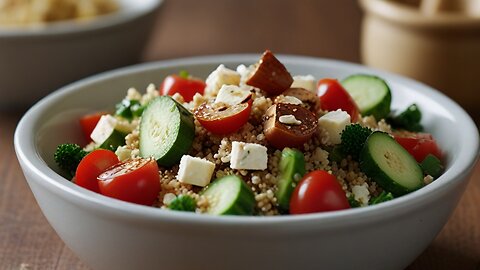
<point>187,27</point>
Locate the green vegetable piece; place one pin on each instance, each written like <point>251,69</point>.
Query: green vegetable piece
<point>129,109</point>
<point>184,74</point>
<point>382,197</point>
<point>371,94</point>
<point>116,139</point>
<point>183,203</point>
<point>353,138</point>
<point>390,165</point>
<point>353,203</point>
<point>408,119</point>
<point>291,170</point>
<point>229,195</point>
<point>336,154</point>
<point>68,156</point>
<point>432,166</point>
<point>166,131</point>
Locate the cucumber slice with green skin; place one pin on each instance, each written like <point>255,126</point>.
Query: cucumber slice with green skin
<point>371,93</point>
<point>166,131</point>
<point>432,166</point>
<point>292,169</point>
<point>390,165</point>
<point>116,139</point>
<point>229,195</point>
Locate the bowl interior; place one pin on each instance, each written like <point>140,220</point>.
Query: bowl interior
<point>54,120</point>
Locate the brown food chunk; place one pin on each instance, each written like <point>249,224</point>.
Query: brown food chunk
<point>281,135</point>
<point>270,75</point>
<point>310,99</point>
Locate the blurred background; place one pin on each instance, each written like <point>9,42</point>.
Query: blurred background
<point>321,28</point>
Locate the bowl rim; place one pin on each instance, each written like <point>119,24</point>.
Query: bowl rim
<point>72,27</point>
<point>24,142</point>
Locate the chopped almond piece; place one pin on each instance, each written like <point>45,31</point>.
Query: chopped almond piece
<point>270,75</point>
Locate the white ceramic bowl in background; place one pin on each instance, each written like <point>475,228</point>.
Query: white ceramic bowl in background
<point>110,234</point>
<point>36,61</point>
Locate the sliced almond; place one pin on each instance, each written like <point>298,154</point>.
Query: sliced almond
<point>270,75</point>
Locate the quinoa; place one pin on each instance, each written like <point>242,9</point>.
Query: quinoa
<point>217,149</point>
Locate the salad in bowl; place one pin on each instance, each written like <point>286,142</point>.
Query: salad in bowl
<point>254,140</point>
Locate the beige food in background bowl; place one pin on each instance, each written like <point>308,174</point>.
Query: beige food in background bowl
<point>25,12</point>
<point>37,60</point>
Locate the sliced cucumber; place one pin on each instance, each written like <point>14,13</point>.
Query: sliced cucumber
<point>292,169</point>
<point>166,131</point>
<point>390,165</point>
<point>371,93</point>
<point>432,166</point>
<point>229,195</point>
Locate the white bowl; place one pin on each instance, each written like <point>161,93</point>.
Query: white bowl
<point>110,234</point>
<point>36,61</point>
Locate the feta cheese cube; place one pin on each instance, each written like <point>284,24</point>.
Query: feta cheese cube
<point>195,171</point>
<point>248,156</point>
<point>334,123</point>
<point>231,95</point>
<point>219,77</point>
<point>307,82</point>
<point>361,193</point>
<point>104,128</point>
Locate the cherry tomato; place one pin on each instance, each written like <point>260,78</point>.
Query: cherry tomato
<point>333,97</point>
<point>419,145</point>
<point>318,191</point>
<point>91,166</point>
<point>185,86</point>
<point>220,119</point>
<point>89,122</point>
<point>135,180</point>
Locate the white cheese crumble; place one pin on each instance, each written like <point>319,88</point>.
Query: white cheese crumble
<point>104,128</point>
<point>306,82</point>
<point>334,122</point>
<point>361,193</point>
<point>289,119</point>
<point>288,100</point>
<point>195,171</point>
<point>248,156</point>
<point>219,77</point>
<point>231,95</point>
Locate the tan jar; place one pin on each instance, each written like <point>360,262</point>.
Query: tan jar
<point>442,50</point>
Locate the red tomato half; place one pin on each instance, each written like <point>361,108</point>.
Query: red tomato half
<point>223,120</point>
<point>318,191</point>
<point>91,166</point>
<point>135,180</point>
<point>333,97</point>
<point>89,122</point>
<point>419,145</point>
<point>187,87</point>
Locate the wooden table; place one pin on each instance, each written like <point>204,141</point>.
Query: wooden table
<point>188,27</point>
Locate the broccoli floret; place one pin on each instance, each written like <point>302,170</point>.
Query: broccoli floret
<point>183,203</point>
<point>353,138</point>
<point>68,156</point>
<point>383,197</point>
